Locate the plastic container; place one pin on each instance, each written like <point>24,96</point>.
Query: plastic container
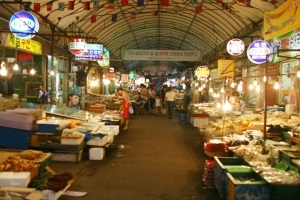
<point>243,186</point>
<point>223,165</point>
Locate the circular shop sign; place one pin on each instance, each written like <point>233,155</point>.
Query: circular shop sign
<point>259,51</point>
<point>235,47</point>
<point>202,72</point>
<point>77,46</point>
<point>24,25</point>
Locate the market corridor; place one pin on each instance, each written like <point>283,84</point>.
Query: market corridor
<point>157,158</point>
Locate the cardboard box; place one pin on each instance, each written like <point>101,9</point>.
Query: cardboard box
<point>29,193</point>
<point>14,179</point>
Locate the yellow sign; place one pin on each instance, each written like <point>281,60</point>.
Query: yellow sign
<point>26,44</point>
<point>282,20</point>
<point>225,67</point>
<point>202,72</point>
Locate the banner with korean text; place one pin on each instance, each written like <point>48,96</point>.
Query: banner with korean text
<point>282,20</point>
<point>161,55</point>
<point>10,40</point>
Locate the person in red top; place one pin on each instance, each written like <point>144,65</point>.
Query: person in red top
<point>125,106</point>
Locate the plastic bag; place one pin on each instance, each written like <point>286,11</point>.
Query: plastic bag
<point>131,110</point>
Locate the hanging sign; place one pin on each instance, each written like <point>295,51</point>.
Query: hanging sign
<point>24,25</point>
<point>77,46</point>
<point>202,72</point>
<point>104,62</point>
<point>235,47</point>
<point>92,52</point>
<point>226,67</point>
<point>259,51</point>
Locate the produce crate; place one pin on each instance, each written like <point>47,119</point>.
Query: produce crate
<point>224,165</point>
<point>43,163</point>
<point>286,192</point>
<point>251,185</point>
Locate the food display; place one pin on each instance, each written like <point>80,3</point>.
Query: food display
<point>24,161</point>
<point>55,182</point>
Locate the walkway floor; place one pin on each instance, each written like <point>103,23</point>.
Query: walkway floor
<point>156,159</point>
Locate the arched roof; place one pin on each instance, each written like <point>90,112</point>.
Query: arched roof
<point>174,27</point>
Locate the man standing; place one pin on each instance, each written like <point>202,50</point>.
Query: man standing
<point>169,99</point>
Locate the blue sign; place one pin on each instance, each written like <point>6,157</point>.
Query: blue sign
<point>92,52</point>
<point>24,25</point>
<point>259,51</point>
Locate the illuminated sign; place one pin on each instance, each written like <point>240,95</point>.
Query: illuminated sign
<point>24,25</point>
<point>92,52</point>
<point>77,46</point>
<point>235,47</point>
<point>259,51</point>
<point>202,72</point>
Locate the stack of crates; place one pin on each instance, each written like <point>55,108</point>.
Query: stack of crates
<point>208,176</point>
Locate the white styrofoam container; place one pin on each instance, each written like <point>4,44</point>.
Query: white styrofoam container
<point>80,128</point>
<point>14,179</point>
<point>68,136</point>
<point>69,157</point>
<point>97,141</point>
<point>96,153</point>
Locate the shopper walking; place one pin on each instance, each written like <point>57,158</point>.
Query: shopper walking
<point>125,107</point>
<point>163,96</point>
<point>157,104</point>
<point>169,100</point>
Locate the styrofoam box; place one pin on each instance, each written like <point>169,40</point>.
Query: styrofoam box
<point>15,179</point>
<point>98,141</point>
<point>96,153</point>
<point>70,157</point>
<point>70,137</point>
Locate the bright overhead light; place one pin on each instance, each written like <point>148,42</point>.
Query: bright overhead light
<point>276,86</point>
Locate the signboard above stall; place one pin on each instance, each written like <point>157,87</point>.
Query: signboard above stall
<point>259,51</point>
<point>24,25</point>
<point>92,52</point>
<point>235,47</point>
<point>77,46</point>
<point>202,72</point>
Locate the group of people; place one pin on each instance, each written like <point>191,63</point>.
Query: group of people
<point>162,102</point>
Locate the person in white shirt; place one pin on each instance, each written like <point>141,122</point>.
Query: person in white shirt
<point>158,108</point>
<point>170,99</point>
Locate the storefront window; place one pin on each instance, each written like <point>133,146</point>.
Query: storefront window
<point>56,83</point>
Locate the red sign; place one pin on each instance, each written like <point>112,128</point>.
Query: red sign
<point>202,72</point>
<point>110,75</point>
<point>77,46</point>
<point>235,47</point>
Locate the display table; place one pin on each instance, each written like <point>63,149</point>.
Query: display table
<point>64,152</point>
